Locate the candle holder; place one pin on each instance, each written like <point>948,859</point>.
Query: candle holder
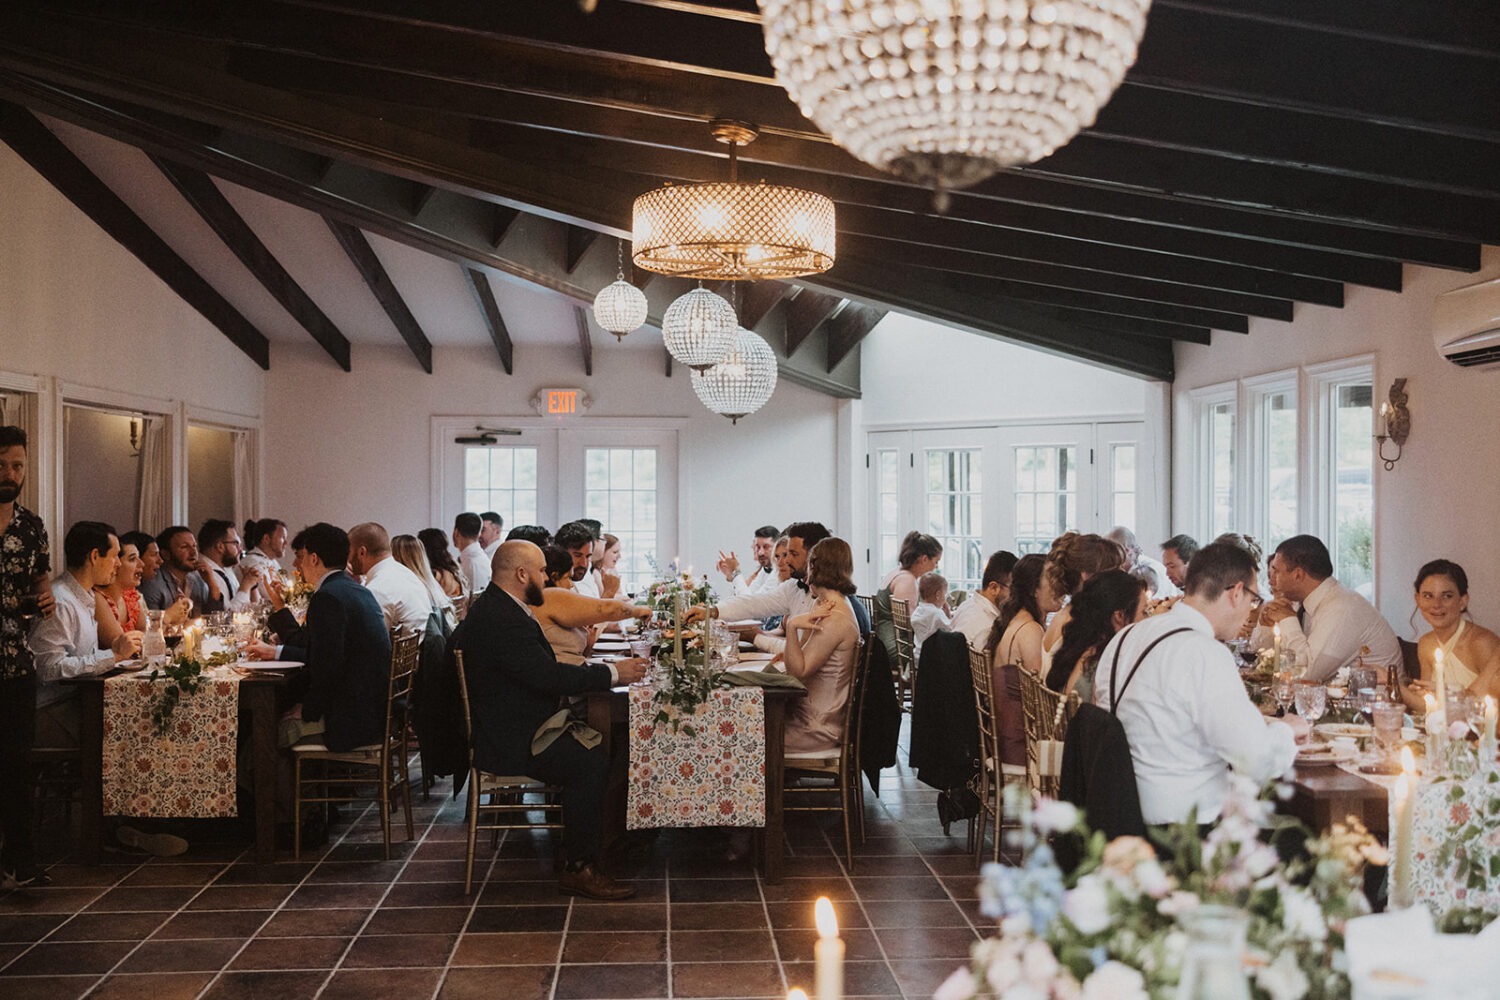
<point>1395,424</point>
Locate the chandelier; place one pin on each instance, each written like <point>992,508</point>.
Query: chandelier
<point>699,329</point>
<point>733,231</point>
<point>620,307</point>
<point>947,92</point>
<point>743,382</point>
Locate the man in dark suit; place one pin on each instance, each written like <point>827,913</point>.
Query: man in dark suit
<point>515,684</point>
<point>345,645</point>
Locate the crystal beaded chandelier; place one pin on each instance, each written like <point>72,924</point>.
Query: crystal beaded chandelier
<point>743,382</point>
<point>733,231</point>
<point>620,307</point>
<point>699,329</point>
<point>947,92</point>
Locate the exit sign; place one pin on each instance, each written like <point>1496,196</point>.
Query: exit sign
<point>561,402</point>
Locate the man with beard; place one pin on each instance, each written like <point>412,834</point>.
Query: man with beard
<point>180,576</point>
<point>515,683</point>
<point>762,576</point>
<point>578,539</point>
<point>219,550</point>
<point>25,596</point>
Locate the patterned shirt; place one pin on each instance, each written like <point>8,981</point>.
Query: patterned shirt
<point>24,557</point>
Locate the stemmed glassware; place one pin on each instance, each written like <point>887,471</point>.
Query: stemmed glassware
<point>1312,701</point>
<point>1283,688</point>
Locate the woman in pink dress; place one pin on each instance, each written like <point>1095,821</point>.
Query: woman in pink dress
<point>822,648</point>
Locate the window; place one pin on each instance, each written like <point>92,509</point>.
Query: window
<point>620,491</point>
<point>502,479</point>
<point>888,474</point>
<point>1046,495</point>
<point>1275,475</point>
<point>1221,467</point>
<point>1122,484</point>
<point>953,514</point>
<point>1353,499</point>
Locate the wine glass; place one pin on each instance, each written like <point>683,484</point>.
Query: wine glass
<point>1283,690</point>
<point>1363,688</point>
<point>1312,701</point>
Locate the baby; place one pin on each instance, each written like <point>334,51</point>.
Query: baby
<point>931,612</point>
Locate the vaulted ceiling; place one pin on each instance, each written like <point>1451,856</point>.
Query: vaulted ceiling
<point>1261,154</point>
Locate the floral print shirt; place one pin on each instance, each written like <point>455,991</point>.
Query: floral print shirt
<point>24,557</point>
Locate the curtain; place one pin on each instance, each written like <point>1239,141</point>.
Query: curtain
<point>154,509</point>
<point>243,476</point>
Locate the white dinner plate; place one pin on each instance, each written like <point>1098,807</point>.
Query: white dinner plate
<point>755,657</point>
<point>269,664</point>
<point>1342,730</point>
<point>1323,755</point>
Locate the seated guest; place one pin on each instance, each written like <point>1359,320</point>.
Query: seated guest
<point>1250,545</point>
<point>533,533</point>
<point>445,569</point>
<point>1471,652</point>
<point>761,576</point>
<point>265,542</point>
<point>791,598</point>
<point>918,554</point>
<point>402,596</point>
<point>607,567</point>
<point>344,644</point>
<point>476,568</point>
<point>409,552</point>
<point>1106,604</point>
<point>1015,644</point>
<point>1176,554</point>
<point>491,524</point>
<point>1177,692</point>
<point>1335,623</point>
<point>931,612</point>
<point>66,642</point>
<point>219,549</point>
<point>182,575</point>
<point>1135,559</point>
<point>1151,582</point>
<point>150,553</point>
<point>577,538</point>
<point>822,648</point>
<point>515,684</point>
<point>1072,560</point>
<point>117,604</point>
<point>783,568</point>
<point>567,617</point>
<point>976,615</point>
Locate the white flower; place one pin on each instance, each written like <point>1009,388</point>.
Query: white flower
<point>1038,964</point>
<point>1116,981</point>
<point>1177,903</point>
<point>1087,905</point>
<point>1052,816</point>
<point>1153,879</point>
<point>1016,925</point>
<point>1283,979</point>
<point>960,986</point>
<point>1003,973</point>
<point>1302,915</point>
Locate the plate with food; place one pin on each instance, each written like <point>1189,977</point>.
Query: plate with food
<point>268,664</point>
<point>1344,730</point>
<point>1323,755</point>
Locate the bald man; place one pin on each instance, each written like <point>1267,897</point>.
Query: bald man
<point>515,685</point>
<point>402,596</point>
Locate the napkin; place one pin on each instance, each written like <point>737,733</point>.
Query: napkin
<point>761,678</point>
<point>1400,955</point>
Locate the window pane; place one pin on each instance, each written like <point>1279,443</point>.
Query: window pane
<point>1045,495</point>
<point>1279,481</point>
<point>620,491</point>
<point>953,510</point>
<point>1354,498</point>
<point>1221,467</point>
<point>1122,484</point>
<point>491,482</point>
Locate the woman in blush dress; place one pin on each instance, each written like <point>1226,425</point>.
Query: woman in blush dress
<point>1015,644</point>
<point>1471,652</point>
<point>822,648</point>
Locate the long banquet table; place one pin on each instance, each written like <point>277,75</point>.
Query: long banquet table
<point>1322,796</point>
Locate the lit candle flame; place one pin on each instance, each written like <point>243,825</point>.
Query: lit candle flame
<point>1431,703</point>
<point>797,994</point>
<point>823,916</point>
<point>1408,762</point>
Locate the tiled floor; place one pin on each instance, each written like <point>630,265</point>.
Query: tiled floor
<point>347,924</point>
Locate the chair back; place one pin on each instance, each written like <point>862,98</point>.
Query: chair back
<point>901,618</point>
<point>984,710</point>
<point>868,601</point>
<point>1047,714</point>
<point>406,652</point>
<point>463,692</point>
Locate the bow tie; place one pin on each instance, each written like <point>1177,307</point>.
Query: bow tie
<point>802,586</point>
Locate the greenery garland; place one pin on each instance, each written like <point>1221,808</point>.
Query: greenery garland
<point>183,676</point>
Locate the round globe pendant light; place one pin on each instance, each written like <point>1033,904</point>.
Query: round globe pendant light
<point>620,307</point>
<point>743,382</point>
<point>699,329</point>
<point>947,92</point>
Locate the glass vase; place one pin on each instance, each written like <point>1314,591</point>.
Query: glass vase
<point>1213,966</point>
<point>154,641</point>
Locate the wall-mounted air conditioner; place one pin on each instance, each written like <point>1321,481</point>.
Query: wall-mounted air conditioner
<point>1466,325</point>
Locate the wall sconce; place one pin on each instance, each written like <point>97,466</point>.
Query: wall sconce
<point>135,438</point>
<point>1395,423</point>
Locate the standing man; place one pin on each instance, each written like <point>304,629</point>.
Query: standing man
<point>762,576</point>
<point>25,596</point>
<point>515,683</point>
<point>181,575</point>
<point>976,616</point>
<point>1176,554</point>
<point>471,557</point>
<point>491,526</point>
<point>1135,558</point>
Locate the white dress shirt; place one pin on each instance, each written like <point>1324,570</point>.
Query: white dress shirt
<point>401,594</point>
<point>235,599</point>
<point>66,642</point>
<point>975,618</point>
<point>925,620</point>
<point>1188,717</point>
<point>1167,588</point>
<point>256,561</point>
<point>759,582</point>
<point>588,586</point>
<point>476,568</point>
<point>787,600</point>
<point>1337,624</point>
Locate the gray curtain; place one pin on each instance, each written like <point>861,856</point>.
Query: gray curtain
<point>244,476</point>
<point>154,507</point>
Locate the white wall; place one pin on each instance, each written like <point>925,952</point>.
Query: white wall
<point>352,447</point>
<point>1438,501</point>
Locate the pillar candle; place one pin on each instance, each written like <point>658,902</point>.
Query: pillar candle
<point>1439,681</point>
<point>797,994</point>
<point>1403,807</point>
<point>1437,733</point>
<point>1487,739</point>
<point>1276,642</point>
<point>677,627</point>
<point>828,953</point>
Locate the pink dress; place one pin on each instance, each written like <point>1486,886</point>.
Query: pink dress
<point>815,724</point>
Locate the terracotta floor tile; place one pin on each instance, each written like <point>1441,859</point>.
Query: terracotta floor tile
<point>722,946</point>
<point>927,942</point>
<point>861,979</point>
<point>615,947</point>
<point>434,871</point>
<point>488,919</point>
<point>914,913</point>
<point>88,876</point>
<point>799,913</point>
<point>54,899</point>
<point>795,944</point>
<point>128,898</point>
<point>152,875</point>
<point>291,953</point>
<point>899,887</point>
<point>646,891</point>
<point>354,871</point>
<point>717,916</point>
<point>727,979</point>
<point>522,948</point>
<point>512,982</point>
<point>406,951</point>
<point>265,985</point>
<point>204,955</point>
<point>922,977</point>
<point>240,897</point>
<point>624,917</point>
<point>48,987</point>
<point>299,923</point>
<point>212,924</point>
<point>281,873</point>
<point>835,887</point>
<point>152,986</point>
<point>28,926</point>
<point>429,894</point>
<point>706,890</point>
<point>383,984</point>
<point>65,959</point>
<point>417,920</point>
<point>519,893</point>
<point>618,982</point>
<point>337,896</point>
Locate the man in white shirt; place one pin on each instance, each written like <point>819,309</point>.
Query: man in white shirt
<point>401,594</point>
<point>491,532</point>
<point>1336,623</point>
<point>578,539</point>
<point>762,576</point>
<point>787,600</point>
<point>931,613</point>
<point>471,559</point>
<point>1176,555</point>
<point>66,643</point>
<point>1176,690</point>
<point>219,549</point>
<point>1135,557</point>
<point>976,616</point>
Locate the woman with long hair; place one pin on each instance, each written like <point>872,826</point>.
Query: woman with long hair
<point>1015,644</point>
<point>411,553</point>
<point>568,618</point>
<point>1106,604</point>
<point>822,648</point>
<point>1471,652</point>
<point>1073,559</point>
<point>444,567</point>
<point>118,607</point>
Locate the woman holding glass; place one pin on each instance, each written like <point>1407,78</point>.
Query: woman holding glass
<point>1471,652</point>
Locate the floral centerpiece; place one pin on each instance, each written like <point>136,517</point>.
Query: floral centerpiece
<point>1116,927</point>
<point>184,676</point>
<point>687,672</point>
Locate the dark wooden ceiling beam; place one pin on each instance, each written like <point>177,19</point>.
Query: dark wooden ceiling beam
<point>489,311</point>
<point>585,342</point>
<point>805,312</point>
<point>47,155</point>
<point>363,257</point>
<point>758,298</point>
<point>576,244</point>
<point>503,218</point>
<point>852,324</point>
<point>199,190</point>
<point>421,194</point>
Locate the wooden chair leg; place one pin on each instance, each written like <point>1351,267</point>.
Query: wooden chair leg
<point>473,829</point>
<point>297,809</point>
<point>385,813</point>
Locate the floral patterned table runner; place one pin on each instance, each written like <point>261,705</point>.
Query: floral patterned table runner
<point>190,771</point>
<point>1456,843</point>
<point>714,777</point>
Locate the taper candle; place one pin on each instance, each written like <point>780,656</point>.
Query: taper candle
<point>1440,681</point>
<point>828,953</point>
<point>1403,806</point>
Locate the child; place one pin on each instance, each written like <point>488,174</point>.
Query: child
<point>931,612</point>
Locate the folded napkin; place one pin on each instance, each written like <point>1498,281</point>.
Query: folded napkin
<point>558,724</point>
<point>761,678</point>
<point>1399,954</point>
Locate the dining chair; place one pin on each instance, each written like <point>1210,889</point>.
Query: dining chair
<point>905,667</point>
<point>833,782</point>
<point>506,794</point>
<point>868,600</point>
<point>1047,715</point>
<point>993,774</point>
<point>337,776</point>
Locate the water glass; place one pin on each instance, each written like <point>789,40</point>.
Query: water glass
<point>1388,717</point>
<point>1282,689</point>
<point>1312,700</point>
